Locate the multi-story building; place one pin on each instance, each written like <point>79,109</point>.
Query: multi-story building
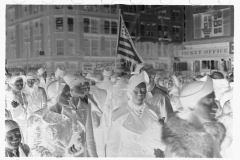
<point>157,32</point>
<point>79,37</point>
<point>84,37</point>
<point>209,38</point>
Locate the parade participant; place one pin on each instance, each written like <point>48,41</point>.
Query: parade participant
<point>44,81</point>
<point>193,132</point>
<point>174,94</point>
<point>60,134</point>
<point>36,96</point>
<point>157,97</point>
<point>17,102</point>
<point>96,99</point>
<point>81,109</point>
<point>119,97</point>
<point>13,145</point>
<point>134,131</point>
<point>106,84</point>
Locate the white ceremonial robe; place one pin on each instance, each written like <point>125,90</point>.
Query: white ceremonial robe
<point>133,136</point>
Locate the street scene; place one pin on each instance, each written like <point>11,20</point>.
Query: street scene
<point>119,81</point>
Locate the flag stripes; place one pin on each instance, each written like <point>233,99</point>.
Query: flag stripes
<point>125,47</point>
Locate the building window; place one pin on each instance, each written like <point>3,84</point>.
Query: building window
<point>13,51</point>
<point>86,22</point>
<point>142,29</point>
<point>87,46</point>
<point>48,25</point>
<point>107,47</point>
<point>27,50</point>
<point>130,8</point>
<point>35,9</point>
<point>71,45</point>
<point>70,7</point>
<point>12,34</point>
<point>114,27</point>
<point>162,13</point>
<point>127,24</point>
<point>12,14</point>
<point>112,9</point>
<point>26,31</point>
<point>90,8</point>
<point>106,27</point>
<point>94,47</point>
<point>60,47</point>
<point>94,8</point>
<point>59,24</point>
<point>175,15</point>
<point>70,25</point>
<point>25,11</point>
<point>37,28</point>
<point>213,65</point>
<point>149,30</point>
<point>165,31</point>
<point>94,26</point>
<point>106,8</point>
<point>113,47</point>
<point>160,31</point>
<point>58,7</point>
<point>176,32</point>
<point>87,8</point>
<point>38,47</point>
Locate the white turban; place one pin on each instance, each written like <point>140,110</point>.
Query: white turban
<point>192,92</point>
<point>136,80</point>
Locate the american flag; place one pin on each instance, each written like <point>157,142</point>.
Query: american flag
<point>125,47</point>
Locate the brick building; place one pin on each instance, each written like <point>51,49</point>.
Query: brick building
<point>209,40</point>
<point>60,35</point>
<point>157,32</point>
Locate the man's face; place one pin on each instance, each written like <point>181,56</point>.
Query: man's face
<point>44,75</point>
<point>30,82</point>
<point>206,108</point>
<point>65,96</point>
<point>18,85</point>
<point>139,93</point>
<point>82,89</point>
<point>13,138</point>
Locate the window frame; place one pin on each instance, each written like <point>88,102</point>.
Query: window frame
<point>60,50</point>
<point>59,25</point>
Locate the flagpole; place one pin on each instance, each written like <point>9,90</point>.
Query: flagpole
<point>119,26</point>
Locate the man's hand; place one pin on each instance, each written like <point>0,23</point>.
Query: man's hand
<point>14,104</point>
<point>158,153</point>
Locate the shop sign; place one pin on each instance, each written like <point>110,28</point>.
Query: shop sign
<point>96,67</point>
<point>204,52</point>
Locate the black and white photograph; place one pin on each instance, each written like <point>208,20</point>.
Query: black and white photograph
<point>118,80</point>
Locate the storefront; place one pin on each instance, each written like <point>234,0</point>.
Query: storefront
<point>200,59</point>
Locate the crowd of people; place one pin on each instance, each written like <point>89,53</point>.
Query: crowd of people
<point>143,114</point>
